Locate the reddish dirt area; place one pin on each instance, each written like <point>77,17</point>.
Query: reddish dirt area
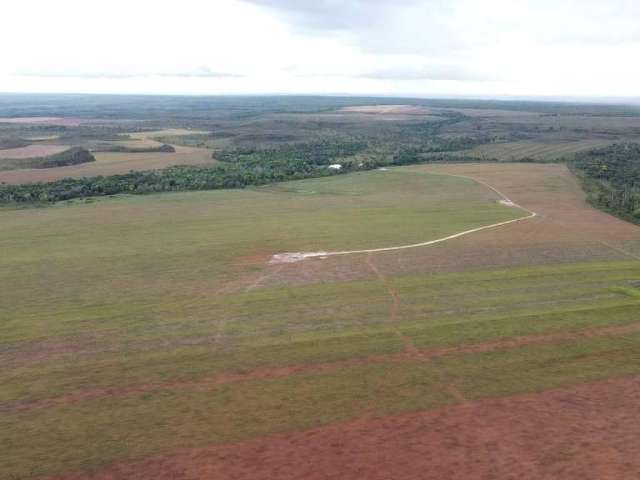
<point>583,432</point>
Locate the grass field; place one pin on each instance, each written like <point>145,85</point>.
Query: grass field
<point>537,150</point>
<point>138,328</point>
<point>31,151</point>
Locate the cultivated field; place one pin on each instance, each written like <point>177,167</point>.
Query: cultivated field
<point>149,337</point>
<point>31,151</point>
<point>110,163</point>
<point>66,122</point>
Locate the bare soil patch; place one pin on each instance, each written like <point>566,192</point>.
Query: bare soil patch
<point>61,121</point>
<point>583,432</point>
<point>389,109</point>
<point>32,151</point>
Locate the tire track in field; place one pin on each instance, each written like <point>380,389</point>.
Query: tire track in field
<point>395,303</point>
<point>450,386</point>
<point>299,256</point>
<point>273,373</point>
<point>619,250</point>
<point>261,278</point>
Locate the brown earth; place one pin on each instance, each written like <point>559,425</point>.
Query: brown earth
<point>582,432</point>
<point>388,109</point>
<point>32,151</point>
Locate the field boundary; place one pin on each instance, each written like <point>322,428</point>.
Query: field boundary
<point>291,257</point>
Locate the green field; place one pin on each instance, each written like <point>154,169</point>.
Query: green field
<point>537,150</point>
<point>140,303</point>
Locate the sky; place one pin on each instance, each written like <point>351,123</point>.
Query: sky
<point>481,48</point>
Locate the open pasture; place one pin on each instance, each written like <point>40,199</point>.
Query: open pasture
<point>149,336</point>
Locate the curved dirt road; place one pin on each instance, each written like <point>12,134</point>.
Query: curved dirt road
<point>299,256</point>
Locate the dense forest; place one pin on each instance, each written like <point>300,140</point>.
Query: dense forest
<point>612,178</point>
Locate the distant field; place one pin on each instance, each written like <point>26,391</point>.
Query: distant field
<point>43,138</point>
<point>110,163</point>
<point>388,109</point>
<point>41,121</point>
<point>167,132</point>
<point>149,335</point>
<point>141,143</point>
<point>31,151</point>
<point>537,150</point>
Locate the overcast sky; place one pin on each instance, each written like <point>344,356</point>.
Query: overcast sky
<point>397,47</point>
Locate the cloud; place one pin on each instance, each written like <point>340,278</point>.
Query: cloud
<point>446,26</point>
<point>379,26</point>
<point>518,47</point>
<point>333,14</point>
<point>204,73</point>
<point>435,72</point>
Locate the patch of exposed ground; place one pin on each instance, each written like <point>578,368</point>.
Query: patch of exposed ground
<point>409,353</point>
<point>61,121</point>
<point>582,432</point>
<point>32,151</point>
<point>389,109</point>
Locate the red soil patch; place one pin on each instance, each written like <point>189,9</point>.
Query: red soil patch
<point>583,432</point>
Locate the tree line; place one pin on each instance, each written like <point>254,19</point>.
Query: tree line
<point>238,168</point>
<point>71,156</point>
<point>612,178</point>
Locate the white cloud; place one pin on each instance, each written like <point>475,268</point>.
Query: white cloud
<point>412,47</point>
